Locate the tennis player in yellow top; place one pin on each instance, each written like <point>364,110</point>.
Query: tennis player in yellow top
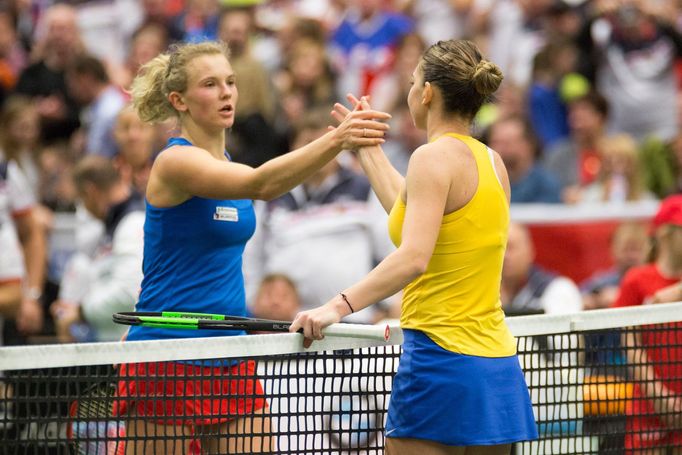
<point>459,388</point>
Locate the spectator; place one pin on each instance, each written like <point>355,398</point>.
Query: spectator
<point>147,42</point>
<point>546,109</point>
<point>527,287</point>
<point>88,83</point>
<point>158,12</point>
<point>58,43</point>
<point>576,161</point>
<point>297,234</point>
<point>252,140</point>
<point>23,258</point>
<point>198,20</point>
<point>629,247</point>
<point>633,55</point>
<point>654,355</point>
<point>520,22</point>
<point>135,144</point>
<point>20,136</point>
<point>619,178</point>
<point>513,138</point>
<point>113,275</point>
<point>277,298</point>
<point>306,82</point>
<point>13,58</point>
<point>662,165</point>
<point>363,46</point>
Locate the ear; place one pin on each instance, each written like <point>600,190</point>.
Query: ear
<point>177,101</point>
<point>427,94</point>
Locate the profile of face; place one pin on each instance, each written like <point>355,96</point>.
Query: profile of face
<point>276,299</point>
<point>134,138</point>
<point>670,238</point>
<point>81,87</point>
<point>211,95</point>
<point>629,247</point>
<point>519,255</point>
<point>415,98</point>
<point>508,138</point>
<point>93,199</point>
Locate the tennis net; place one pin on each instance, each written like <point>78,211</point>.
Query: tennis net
<point>606,381</point>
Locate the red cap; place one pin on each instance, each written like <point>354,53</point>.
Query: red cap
<point>669,212</point>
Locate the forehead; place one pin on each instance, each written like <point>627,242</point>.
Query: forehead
<point>209,65</point>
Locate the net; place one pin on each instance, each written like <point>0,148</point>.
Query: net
<point>607,381</point>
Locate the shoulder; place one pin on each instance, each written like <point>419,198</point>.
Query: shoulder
<point>179,155</point>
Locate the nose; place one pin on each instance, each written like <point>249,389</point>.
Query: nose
<point>225,90</point>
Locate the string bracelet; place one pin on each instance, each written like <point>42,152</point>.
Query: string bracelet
<point>345,299</point>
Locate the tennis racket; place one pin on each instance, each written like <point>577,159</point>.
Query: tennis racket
<point>197,321</point>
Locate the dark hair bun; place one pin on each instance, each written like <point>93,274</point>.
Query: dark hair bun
<point>487,77</point>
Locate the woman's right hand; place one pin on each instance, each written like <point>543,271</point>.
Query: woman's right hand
<point>359,127</point>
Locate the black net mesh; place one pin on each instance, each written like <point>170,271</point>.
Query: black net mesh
<point>609,391</point>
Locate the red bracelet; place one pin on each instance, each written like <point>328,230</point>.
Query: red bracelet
<point>345,299</point>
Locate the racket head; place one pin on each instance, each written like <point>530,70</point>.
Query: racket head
<point>195,321</point>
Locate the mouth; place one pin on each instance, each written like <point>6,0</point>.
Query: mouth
<point>228,108</point>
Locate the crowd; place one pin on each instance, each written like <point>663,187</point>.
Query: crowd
<point>588,113</point>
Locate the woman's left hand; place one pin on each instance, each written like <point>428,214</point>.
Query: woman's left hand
<point>313,321</point>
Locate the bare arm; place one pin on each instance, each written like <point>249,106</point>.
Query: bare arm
<point>191,171</point>
<point>428,184</point>
<point>386,181</point>
<point>34,245</point>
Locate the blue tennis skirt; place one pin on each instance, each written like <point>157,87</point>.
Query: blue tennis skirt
<point>456,399</point>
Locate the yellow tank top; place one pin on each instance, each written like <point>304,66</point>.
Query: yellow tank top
<point>456,302</point>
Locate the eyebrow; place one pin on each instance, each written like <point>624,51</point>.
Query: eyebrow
<point>206,78</point>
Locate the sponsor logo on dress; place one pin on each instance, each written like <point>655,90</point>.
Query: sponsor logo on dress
<point>226,214</point>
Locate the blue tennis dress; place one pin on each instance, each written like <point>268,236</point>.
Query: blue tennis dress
<point>193,261</point>
<point>456,399</point>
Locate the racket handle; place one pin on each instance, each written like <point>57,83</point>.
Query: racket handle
<point>369,332</point>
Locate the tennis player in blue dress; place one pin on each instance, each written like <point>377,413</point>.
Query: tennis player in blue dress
<point>199,215</point>
<point>459,388</point>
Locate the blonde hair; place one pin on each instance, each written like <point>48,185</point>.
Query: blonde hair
<point>167,73</point>
<point>623,147</point>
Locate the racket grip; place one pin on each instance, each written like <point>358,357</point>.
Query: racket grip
<point>368,332</point>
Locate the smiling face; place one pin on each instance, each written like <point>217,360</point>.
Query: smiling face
<point>211,95</point>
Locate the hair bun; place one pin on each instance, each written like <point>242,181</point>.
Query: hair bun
<point>487,77</point>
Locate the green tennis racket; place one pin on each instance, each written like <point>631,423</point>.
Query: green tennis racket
<point>198,321</point>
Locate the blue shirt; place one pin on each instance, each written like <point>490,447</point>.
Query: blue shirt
<point>193,261</point>
<point>538,185</point>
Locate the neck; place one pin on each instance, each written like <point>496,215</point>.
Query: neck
<point>437,126</point>
<point>212,141</point>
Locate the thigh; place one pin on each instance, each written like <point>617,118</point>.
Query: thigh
<point>156,438</point>
<point>407,446</point>
<point>248,434</point>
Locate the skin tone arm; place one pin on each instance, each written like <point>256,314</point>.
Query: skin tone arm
<point>31,235</point>
<point>187,171</point>
<point>386,181</point>
<point>428,185</point>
